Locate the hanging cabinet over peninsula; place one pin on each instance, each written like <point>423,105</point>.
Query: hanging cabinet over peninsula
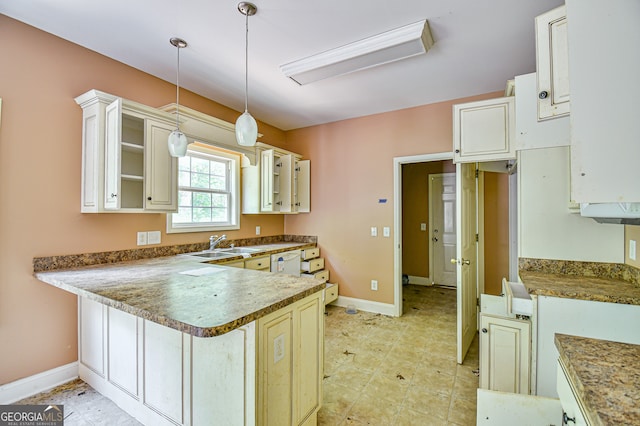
<point>278,183</point>
<point>126,166</point>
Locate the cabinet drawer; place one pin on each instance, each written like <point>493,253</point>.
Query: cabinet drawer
<point>311,253</point>
<point>232,264</point>
<point>330,293</point>
<point>323,275</point>
<point>259,263</point>
<point>312,265</point>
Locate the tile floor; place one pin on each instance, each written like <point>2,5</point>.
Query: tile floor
<point>378,370</point>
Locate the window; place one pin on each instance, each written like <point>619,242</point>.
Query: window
<point>208,191</point>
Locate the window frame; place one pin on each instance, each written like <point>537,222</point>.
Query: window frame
<point>234,162</point>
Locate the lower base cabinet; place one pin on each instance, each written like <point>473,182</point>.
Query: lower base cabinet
<point>505,354</point>
<point>268,372</point>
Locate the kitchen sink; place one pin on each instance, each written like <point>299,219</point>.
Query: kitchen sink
<point>238,250</point>
<point>223,253</point>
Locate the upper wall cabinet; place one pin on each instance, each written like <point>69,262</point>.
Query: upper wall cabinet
<point>484,130</point>
<point>278,183</point>
<point>605,147</point>
<point>552,63</point>
<point>126,166</point>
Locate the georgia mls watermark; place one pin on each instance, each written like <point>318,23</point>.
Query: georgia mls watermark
<point>31,415</point>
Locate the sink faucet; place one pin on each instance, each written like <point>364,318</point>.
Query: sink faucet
<point>214,240</point>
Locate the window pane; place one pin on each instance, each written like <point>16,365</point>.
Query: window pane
<point>201,214</point>
<point>199,180</point>
<point>218,168</point>
<point>184,163</point>
<point>201,199</point>
<point>183,215</point>
<point>219,200</point>
<point>218,183</point>
<point>184,178</point>
<point>219,215</point>
<point>184,198</point>
<point>199,165</point>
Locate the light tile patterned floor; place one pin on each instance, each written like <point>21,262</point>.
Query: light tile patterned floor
<point>378,370</point>
<point>399,371</point>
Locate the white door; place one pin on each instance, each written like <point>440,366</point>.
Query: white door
<point>442,218</point>
<point>465,260</point>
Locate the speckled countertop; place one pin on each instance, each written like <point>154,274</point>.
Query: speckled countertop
<point>602,282</point>
<point>209,300</point>
<point>606,376</point>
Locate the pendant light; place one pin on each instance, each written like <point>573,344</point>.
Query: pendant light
<point>246,126</point>
<point>177,141</point>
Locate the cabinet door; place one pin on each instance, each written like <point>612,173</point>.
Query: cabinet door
<point>275,389</point>
<point>504,354</point>
<point>484,130</point>
<point>91,335</point>
<point>113,136</point>
<point>266,181</point>
<point>122,350</point>
<point>552,58</point>
<point>303,186</point>
<point>308,361</point>
<point>161,170</point>
<point>286,184</point>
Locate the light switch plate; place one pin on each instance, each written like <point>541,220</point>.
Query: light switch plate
<point>257,230</point>
<point>423,226</point>
<point>386,232</point>
<point>374,231</point>
<point>632,249</point>
<point>153,237</point>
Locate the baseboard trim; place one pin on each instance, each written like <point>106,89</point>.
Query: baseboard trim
<point>23,388</point>
<point>420,280</point>
<point>366,305</point>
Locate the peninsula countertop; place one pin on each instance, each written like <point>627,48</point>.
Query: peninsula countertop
<point>183,293</point>
<point>606,377</point>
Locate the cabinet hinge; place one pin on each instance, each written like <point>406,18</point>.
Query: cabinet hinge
<point>477,238</point>
<point>477,173</point>
<point>477,301</point>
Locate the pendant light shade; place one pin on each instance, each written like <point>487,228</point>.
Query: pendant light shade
<point>246,126</point>
<point>177,142</point>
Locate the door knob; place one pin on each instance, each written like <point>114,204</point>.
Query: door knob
<point>484,330</point>
<point>454,261</point>
<point>466,262</point>
<point>435,239</point>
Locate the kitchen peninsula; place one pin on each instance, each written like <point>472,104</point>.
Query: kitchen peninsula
<point>173,340</point>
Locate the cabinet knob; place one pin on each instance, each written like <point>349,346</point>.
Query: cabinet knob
<point>113,195</point>
<point>543,94</point>
<point>457,151</point>
<point>149,198</point>
<point>484,330</point>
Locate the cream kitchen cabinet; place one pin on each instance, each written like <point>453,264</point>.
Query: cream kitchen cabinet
<point>552,64</point>
<point>290,360</point>
<point>278,183</point>
<point>604,100</point>
<point>126,166</point>
<point>505,345</point>
<point>262,263</point>
<point>484,130</point>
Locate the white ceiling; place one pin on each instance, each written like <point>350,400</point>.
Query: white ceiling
<point>479,44</point>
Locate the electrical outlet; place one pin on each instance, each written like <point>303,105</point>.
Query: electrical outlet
<point>386,232</point>
<point>374,231</point>
<point>423,226</point>
<point>632,249</point>
<point>374,285</point>
<point>153,237</point>
<point>257,230</point>
<point>142,238</point>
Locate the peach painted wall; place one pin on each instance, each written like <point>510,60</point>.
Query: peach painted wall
<point>40,147</point>
<point>351,170</point>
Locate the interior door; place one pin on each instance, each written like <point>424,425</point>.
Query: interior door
<point>442,215</point>
<point>466,259</point>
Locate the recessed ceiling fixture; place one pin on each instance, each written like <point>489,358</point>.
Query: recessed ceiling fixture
<point>177,141</point>
<point>400,43</point>
<point>246,126</point>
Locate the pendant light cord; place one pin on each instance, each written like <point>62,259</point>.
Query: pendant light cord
<point>178,91</point>
<point>246,64</point>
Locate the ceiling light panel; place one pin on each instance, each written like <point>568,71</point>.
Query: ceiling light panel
<point>390,46</point>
